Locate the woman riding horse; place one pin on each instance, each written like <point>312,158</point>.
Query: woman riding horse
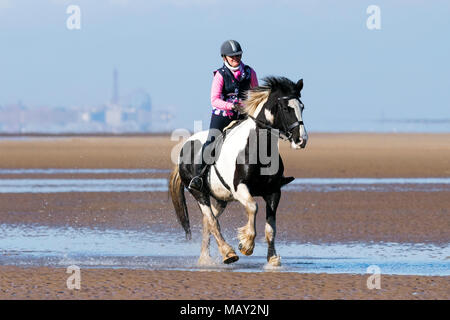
<point>227,91</point>
<point>273,110</point>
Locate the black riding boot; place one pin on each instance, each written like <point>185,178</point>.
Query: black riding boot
<point>198,180</point>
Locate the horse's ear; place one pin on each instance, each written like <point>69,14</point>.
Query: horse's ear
<point>299,85</point>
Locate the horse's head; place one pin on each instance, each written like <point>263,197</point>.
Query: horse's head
<point>283,109</point>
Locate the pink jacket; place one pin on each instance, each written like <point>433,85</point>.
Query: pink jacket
<point>220,106</point>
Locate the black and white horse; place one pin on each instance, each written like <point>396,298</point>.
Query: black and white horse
<point>273,110</point>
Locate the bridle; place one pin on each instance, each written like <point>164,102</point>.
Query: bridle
<point>286,132</point>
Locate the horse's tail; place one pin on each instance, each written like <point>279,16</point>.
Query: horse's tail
<point>176,190</point>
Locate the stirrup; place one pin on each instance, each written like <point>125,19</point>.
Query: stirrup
<point>190,187</point>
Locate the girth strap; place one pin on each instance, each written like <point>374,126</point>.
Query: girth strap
<point>221,179</point>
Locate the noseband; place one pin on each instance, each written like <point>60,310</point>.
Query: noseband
<point>287,130</point>
<point>286,133</point>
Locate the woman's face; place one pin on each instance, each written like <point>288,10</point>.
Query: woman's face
<point>233,61</point>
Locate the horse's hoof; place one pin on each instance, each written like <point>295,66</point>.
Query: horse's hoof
<point>274,261</point>
<point>230,258</point>
<point>247,252</point>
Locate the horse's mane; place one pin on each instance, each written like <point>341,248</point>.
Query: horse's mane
<point>256,95</point>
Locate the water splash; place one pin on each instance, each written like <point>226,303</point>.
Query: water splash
<point>148,249</point>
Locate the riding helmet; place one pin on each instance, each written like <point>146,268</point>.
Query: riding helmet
<point>230,48</point>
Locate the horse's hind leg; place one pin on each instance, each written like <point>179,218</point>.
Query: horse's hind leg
<point>227,252</point>
<point>272,201</point>
<point>247,233</point>
<point>217,209</point>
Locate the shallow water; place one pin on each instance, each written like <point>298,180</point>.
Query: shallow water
<point>82,185</point>
<point>28,245</point>
<point>27,185</point>
<point>369,184</point>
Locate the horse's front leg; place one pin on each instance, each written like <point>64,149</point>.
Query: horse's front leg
<point>247,233</point>
<point>227,252</point>
<point>272,201</point>
<point>217,209</point>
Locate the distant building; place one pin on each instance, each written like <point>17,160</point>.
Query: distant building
<point>129,113</point>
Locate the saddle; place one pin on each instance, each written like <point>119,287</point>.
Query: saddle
<point>216,145</point>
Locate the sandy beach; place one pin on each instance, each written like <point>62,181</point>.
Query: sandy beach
<point>50,283</point>
<point>317,217</point>
<point>326,155</point>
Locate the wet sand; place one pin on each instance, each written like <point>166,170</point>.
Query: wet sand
<point>421,217</point>
<point>50,283</point>
<point>413,217</point>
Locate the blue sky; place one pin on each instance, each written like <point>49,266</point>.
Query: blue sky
<point>352,75</point>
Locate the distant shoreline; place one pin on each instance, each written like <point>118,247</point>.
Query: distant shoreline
<point>86,134</point>
<point>166,134</point>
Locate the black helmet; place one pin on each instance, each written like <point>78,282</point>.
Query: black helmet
<point>230,48</point>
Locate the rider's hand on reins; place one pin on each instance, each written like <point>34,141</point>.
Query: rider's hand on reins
<point>237,106</point>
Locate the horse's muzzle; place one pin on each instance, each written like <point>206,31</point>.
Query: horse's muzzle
<point>303,143</point>
<point>300,145</point>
